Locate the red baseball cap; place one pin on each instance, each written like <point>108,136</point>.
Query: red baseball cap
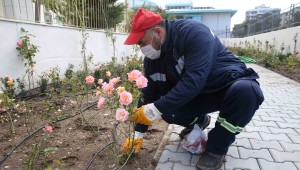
<point>141,21</point>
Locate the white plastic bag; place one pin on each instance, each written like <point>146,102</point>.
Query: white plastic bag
<point>195,142</point>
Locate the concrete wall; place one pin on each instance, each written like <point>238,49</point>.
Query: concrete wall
<point>58,46</point>
<point>284,37</point>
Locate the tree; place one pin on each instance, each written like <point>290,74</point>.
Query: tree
<point>240,30</point>
<point>154,9</point>
<point>101,14</point>
<point>296,18</point>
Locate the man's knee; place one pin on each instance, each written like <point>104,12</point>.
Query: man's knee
<point>246,92</point>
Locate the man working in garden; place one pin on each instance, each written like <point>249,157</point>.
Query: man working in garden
<point>191,74</point>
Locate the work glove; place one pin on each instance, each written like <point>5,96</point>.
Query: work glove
<point>135,141</point>
<point>145,114</point>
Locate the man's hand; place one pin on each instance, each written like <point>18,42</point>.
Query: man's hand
<point>145,114</point>
<point>136,142</point>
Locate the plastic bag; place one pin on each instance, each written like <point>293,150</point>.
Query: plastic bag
<point>195,142</point>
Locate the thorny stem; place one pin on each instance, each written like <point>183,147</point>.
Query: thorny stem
<point>127,159</point>
<point>11,125</point>
<point>84,119</point>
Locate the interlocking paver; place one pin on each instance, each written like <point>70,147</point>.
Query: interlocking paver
<point>266,165</point>
<point>178,166</point>
<point>181,149</point>
<point>172,148</point>
<point>270,118</point>
<point>264,106</point>
<point>251,135</point>
<point>257,129</point>
<point>177,129</point>
<point>289,125</point>
<point>279,114</point>
<point>270,136</point>
<point>244,142</point>
<point>294,138</point>
<point>256,117</point>
<point>174,137</point>
<point>261,112</point>
<point>194,160</point>
<point>261,123</point>
<point>250,123</point>
<point>290,147</point>
<point>259,144</point>
<point>297,165</point>
<point>295,116</point>
<point>252,153</point>
<point>283,130</point>
<point>291,120</point>
<point>233,152</point>
<point>285,156</point>
<point>183,158</point>
<point>232,163</point>
<point>298,131</point>
<point>289,107</point>
<point>165,166</point>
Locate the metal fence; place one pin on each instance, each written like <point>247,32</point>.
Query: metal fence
<point>95,14</point>
<point>288,17</point>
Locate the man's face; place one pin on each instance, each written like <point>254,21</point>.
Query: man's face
<point>151,37</point>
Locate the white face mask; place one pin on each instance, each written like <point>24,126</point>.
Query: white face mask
<point>150,52</point>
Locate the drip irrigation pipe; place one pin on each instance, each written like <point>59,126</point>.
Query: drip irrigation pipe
<point>96,154</point>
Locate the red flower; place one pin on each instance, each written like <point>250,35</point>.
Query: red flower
<point>19,43</point>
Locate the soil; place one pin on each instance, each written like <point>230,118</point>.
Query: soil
<point>294,75</point>
<point>73,138</point>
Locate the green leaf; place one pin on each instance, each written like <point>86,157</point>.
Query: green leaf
<point>50,150</point>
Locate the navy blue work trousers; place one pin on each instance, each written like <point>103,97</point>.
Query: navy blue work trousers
<point>236,104</point>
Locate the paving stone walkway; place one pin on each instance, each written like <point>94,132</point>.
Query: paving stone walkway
<point>270,141</point>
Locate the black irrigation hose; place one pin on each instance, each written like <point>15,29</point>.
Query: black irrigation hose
<point>96,154</point>
<point>7,154</point>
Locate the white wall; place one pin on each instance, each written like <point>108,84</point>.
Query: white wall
<point>277,38</point>
<point>58,46</point>
<point>218,22</point>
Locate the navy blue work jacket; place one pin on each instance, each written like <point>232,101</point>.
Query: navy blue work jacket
<point>193,62</point>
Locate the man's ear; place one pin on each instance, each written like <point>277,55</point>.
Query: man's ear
<point>159,31</point>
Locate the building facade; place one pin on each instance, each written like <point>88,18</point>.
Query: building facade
<point>218,20</point>
<point>259,11</point>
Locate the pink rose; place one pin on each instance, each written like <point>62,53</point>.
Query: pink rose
<point>121,115</point>
<point>100,103</point>
<point>98,93</point>
<point>141,82</point>
<point>125,98</point>
<point>89,79</point>
<point>120,89</point>
<point>48,129</point>
<point>19,43</point>
<point>108,73</point>
<point>114,81</point>
<point>100,81</point>
<point>133,75</point>
<point>108,88</point>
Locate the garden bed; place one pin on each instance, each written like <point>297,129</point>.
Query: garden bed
<point>287,65</point>
<point>74,143</point>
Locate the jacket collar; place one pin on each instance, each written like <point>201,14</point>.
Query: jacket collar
<point>168,42</point>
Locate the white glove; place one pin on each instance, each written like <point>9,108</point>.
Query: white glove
<point>151,112</point>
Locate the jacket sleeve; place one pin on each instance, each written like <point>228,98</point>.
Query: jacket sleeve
<point>150,94</point>
<point>200,51</point>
